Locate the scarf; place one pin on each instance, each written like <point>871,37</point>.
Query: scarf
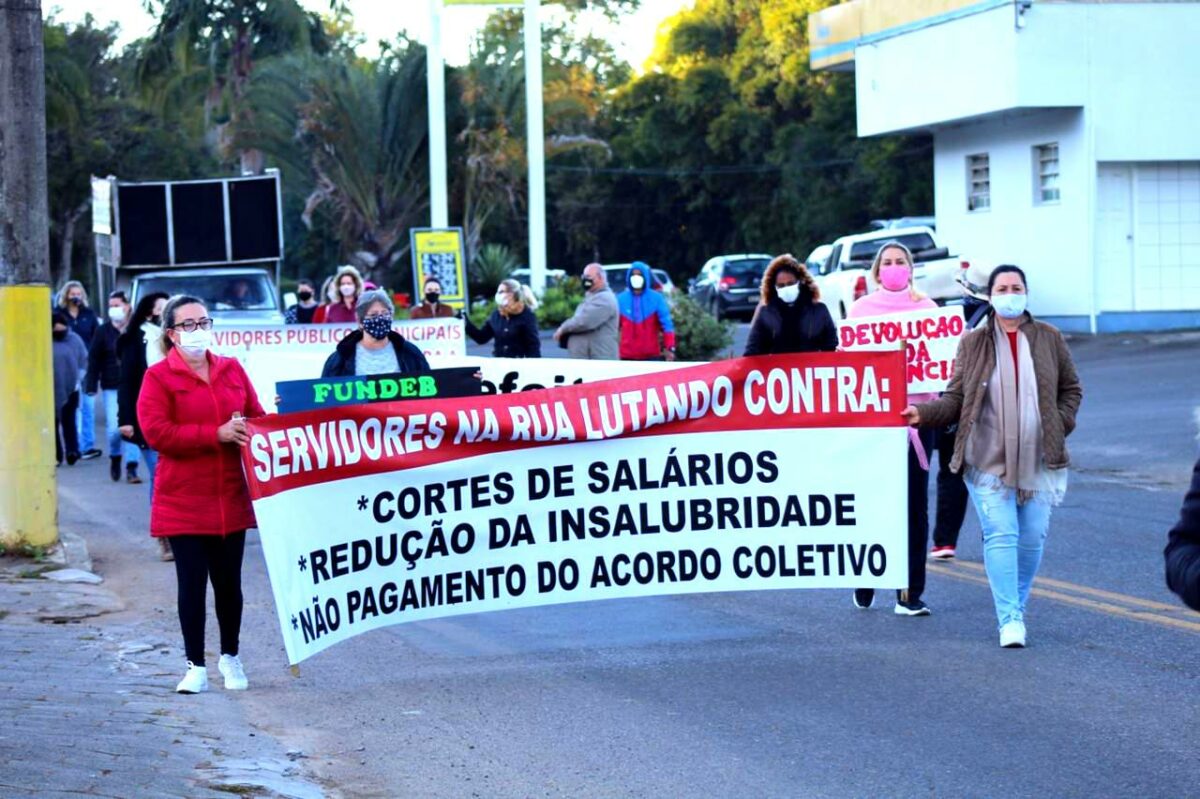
<point>1006,442</point>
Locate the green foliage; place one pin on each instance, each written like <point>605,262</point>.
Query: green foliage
<point>559,302</point>
<point>698,336</point>
<point>480,311</point>
<point>494,264</point>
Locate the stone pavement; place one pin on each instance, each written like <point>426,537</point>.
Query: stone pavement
<point>87,708</point>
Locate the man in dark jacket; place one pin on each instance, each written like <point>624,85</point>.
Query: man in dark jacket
<point>375,312</point>
<point>104,372</point>
<point>1183,547</point>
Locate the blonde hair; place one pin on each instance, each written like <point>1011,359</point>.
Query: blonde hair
<point>787,262</point>
<point>523,296</point>
<point>358,281</point>
<point>878,261</point>
<point>61,299</point>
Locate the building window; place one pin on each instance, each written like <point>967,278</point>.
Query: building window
<point>1045,173</point>
<point>979,184</point>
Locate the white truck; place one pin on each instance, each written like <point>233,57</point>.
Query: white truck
<point>844,274</point>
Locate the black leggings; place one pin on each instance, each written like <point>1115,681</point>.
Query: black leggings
<point>918,516</point>
<point>198,559</point>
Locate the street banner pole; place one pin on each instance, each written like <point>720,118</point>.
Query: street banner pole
<point>536,144</point>
<point>436,88</point>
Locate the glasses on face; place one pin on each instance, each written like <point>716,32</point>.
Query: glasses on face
<point>190,325</point>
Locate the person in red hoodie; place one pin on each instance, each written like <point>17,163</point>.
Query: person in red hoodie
<point>647,332</point>
<point>192,410</point>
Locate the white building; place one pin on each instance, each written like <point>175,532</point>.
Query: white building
<point>1066,140</point>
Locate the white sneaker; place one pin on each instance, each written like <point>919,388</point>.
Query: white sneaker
<point>195,681</point>
<point>1012,635</point>
<point>230,667</point>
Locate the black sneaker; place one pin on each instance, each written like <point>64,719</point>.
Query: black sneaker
<point>912,608</point>
<point>91,454</point>
<point>114,467</point>
<point>864,598</point>
<point>72,457</point>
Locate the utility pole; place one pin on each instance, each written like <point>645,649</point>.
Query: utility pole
<point>28,501</point>
<point>535,146</point>
<point>435,83</point>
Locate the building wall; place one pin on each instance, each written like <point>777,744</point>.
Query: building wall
<point>1052,242</point>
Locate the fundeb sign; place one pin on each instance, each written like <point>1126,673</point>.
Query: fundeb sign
<point>706,478</point>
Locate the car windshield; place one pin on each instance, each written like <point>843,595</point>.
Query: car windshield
<point>746,272</point>
<point>246,292</point>
<point>915,242</point>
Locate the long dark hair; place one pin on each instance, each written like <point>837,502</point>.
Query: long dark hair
<point>145,309</point>
<point>1003,269</point>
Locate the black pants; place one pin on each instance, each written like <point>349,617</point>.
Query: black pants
<point>952,495</point>
<point>918,517</point>
<point>65,434</point>
<point>198,559</point>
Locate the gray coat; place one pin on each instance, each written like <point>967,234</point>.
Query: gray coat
<point>593,330</point>
<point>70,365</point>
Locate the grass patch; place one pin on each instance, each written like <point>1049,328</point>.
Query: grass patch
<point>23,551</point>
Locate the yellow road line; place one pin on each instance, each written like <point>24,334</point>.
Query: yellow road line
<point>1083,602</point>
<point>1082,589</point>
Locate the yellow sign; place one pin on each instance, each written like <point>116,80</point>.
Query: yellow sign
<point>438,253</point>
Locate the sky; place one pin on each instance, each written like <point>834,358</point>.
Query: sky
<point>633,38</point>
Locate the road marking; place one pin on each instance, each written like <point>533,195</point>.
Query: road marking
<point>1130,609</point>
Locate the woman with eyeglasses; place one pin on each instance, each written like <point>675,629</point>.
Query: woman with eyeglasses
<point>374,349</point>
<point>192,410</point>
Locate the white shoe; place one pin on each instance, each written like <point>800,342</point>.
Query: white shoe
<point>230,667</point>
<point>195,681</point>
<point>1012,635</point>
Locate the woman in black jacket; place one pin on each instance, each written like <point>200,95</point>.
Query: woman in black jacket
<point>1183,548</point>
<point>375,348</point>
<point>141,335</point>
<point>513,324</point>
<point>791,316</point>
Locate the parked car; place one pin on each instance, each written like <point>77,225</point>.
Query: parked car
<point>815,262</point>
<point>845,274</point>
<point>615,275</point>
<point>237,294</point>
<point>553,276</point>
<point>904,221</point>
<point>729,284</point>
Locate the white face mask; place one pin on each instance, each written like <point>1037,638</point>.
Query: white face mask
<point>195,343</point>
<point>637,282</point>
<point>502,298</point>
<point>1010,306</point>
<point>347,289</point>
<point>788,294</point>
<point>117,314</point>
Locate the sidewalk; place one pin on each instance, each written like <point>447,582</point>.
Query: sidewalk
<point>87,702</point>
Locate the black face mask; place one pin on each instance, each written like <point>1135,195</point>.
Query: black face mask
<point>60,335</point>
<point>305,296</point>
<point>76,300</point>
<point>588,283</point>
<point>432,297</point>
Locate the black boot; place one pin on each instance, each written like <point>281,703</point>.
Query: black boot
<point>131,475</point>
<point>114,468</point>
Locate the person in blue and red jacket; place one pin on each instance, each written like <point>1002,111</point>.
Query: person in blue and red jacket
<point>647,332</point>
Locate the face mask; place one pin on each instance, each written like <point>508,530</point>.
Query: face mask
<point>1010,306</point>
<point>60,335</point>
<point>347,290</point>
<point>304,296</point>
<point>894,278</point>
<point>432,296</point>
<point>377,327</point>
<point>587,283</point>
<point>76,300</point>
<point>637,282</point>
<point>195,343</point>
<point>117,315</point>
<point>788,294</point>
<point>502,298</point>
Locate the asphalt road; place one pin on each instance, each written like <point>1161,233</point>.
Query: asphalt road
<point>779,693</point>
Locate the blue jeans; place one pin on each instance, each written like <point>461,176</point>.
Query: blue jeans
<point>85,421</point>
<point>151,458</point>
<point>116,444</point>
<point>1013,539</point>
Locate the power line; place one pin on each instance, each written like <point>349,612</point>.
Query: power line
<point>728,169</point>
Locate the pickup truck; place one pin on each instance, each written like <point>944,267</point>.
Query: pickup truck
<point>235,294</point>
<point>844,275</point>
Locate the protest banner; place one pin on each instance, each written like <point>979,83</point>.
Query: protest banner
<point>438,253</point>
<point>929,337</point>
<point>749,474</point>
<point>508,375</point>
<point>328,392</point>
<point>271,354</point>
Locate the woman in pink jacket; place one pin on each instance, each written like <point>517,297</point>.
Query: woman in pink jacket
<point>892,271</point>
<point>192,410</point>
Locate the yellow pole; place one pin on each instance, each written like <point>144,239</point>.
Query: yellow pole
<point>28,502</point>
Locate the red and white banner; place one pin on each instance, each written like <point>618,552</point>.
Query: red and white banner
<point>930,340</point>
<point>750,474</point>
<point>273,353</point>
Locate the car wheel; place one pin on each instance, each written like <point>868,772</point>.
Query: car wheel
<point>716,309</point>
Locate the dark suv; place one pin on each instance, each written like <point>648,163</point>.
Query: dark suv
<point>729,284</point>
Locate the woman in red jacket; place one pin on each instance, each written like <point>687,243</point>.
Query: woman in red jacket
<point>191,411</point>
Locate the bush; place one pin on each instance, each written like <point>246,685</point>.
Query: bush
<point>493,264</point>
<point>559,303</point>
<point>480,311</point>
<point>698,336</point>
